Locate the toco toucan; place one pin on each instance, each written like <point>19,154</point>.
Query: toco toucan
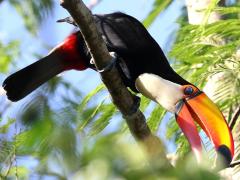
<point>143,68</point>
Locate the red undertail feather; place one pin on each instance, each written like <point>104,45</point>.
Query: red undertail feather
<point>69,50</point>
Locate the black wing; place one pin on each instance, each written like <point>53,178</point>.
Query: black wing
<point>126,36</point>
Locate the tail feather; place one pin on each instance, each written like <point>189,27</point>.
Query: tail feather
<point>23,82</point>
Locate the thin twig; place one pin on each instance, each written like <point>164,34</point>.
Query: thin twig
<point>15,152</point>
<point>230,112</point>
<point>9,167</point>
<point>235,163</point>
<point>234,119</point>
<point>13,159</point>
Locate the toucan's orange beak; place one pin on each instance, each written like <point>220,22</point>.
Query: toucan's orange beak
<point>201,109</point>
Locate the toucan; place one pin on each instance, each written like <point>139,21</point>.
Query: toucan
<point>143,68</point>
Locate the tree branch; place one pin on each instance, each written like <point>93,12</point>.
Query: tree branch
<point>235,163</point>
<point>234,118</point>
<point>121,97</point>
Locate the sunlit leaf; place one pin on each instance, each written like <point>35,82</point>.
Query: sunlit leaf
<point>4,128</point>
<point>144,103</point>
<point>90,116</point>
<point>155,118</point>
<point>87,98</point>
<point>104,119</point>
<point>158,7</point>
<point>227,10</point>
<point>8,53</point>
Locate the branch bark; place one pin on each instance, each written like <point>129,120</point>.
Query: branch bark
<point>121,97</point>
<point>234,119</point>
<point>235,163</point>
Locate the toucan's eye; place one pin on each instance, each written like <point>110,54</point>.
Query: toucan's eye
<point>188,90</point>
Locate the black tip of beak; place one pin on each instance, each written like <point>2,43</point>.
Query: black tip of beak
<point>225,154</point>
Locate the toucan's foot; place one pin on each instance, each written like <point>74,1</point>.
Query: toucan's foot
<point>68,20</point>
<point>136,104</point>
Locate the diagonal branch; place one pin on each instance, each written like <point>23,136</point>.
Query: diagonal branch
<point>121,97</point>
<point>235,163</point>
<point>234,119</point>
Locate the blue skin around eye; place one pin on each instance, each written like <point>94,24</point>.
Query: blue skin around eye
<point>188,90</point>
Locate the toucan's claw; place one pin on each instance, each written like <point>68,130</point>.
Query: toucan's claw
<point>68,20</point>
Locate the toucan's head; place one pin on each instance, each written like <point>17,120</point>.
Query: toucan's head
<point>190,106</point>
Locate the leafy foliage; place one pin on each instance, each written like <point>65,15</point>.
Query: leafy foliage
<point>4,128</point>
<point>33,12</point>
<point>202,52</point>
<point>211,52</point>
<point>156,117</point>
<point>113,157</point>
<point>8,52</point>
<point>228,10</point>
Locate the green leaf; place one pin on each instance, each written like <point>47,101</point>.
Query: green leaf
<point>91,116</point>
<point>35,140</point>
<point>158,7</point>
<point>209,10</point>
<point>172,129</point>
<point>87,98</point>
<point>22,172</point>
<point>4,129</point>
<point>107,112</point>
<point>6,151</point>
<point>144,103</point>
<point>155,118</point>
<point>227,10</point>
<point>8,53</point>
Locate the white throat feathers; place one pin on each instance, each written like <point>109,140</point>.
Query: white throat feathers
<point>162,91</point>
